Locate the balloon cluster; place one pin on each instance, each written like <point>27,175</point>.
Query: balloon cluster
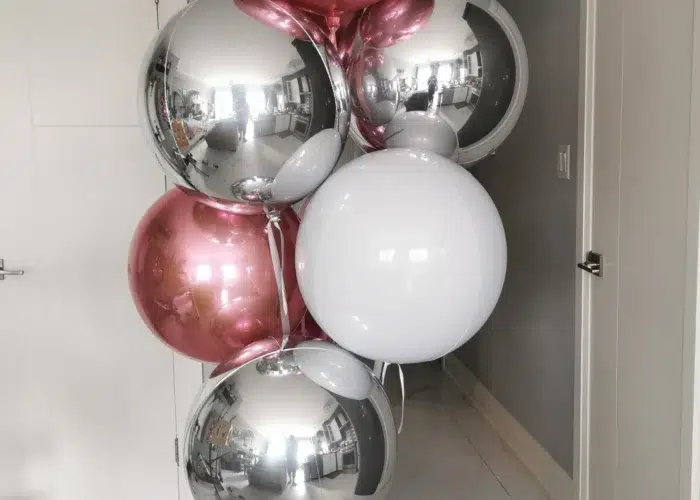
<point>400,256</point>
<point>355,32</point>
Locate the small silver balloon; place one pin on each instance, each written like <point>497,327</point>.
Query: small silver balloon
<point>268,428</point>
<point>373,86</point>
<point>226,100</point>
<point>421,130</point>
<point>467,64</point>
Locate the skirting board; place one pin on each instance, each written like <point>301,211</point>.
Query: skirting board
<point>551,476</point>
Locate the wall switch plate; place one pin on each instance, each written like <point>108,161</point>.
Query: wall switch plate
<point>564,162</point>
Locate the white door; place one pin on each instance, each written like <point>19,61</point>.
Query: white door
<point>88,395</point>
<point>644,222</point>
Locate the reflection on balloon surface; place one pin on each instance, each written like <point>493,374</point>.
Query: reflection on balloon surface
<point>203,278</point>
<point>266,430</point>
<point>466,65</point>
<point>229,92</point>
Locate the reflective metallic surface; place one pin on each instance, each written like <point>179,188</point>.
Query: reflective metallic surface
<point>467,64</point>
<point>373,86</point>
<point>267,430</point>
<point>227,99</point>
<point>203,280</point>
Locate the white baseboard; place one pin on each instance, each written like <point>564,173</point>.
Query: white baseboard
<point>548,472</point>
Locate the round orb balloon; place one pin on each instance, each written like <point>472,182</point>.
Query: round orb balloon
<point>306,331</point>
<point>427,268</point>
<point>227,97</point>
<point>464,61</point>
<point>373,86</point>
<point>267,430</point>
<point>203,278</point>
<point>421,130</point>
<point>334,369</point>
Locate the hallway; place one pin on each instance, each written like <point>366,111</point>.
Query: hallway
<point>447,450</point>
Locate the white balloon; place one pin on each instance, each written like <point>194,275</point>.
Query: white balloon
<point>401,256</point>
<point>334,369</point>
<point>307,168</point>
<point>421,130</point>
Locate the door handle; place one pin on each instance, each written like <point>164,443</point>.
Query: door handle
<point>6,272</point>
<point>593,264</point>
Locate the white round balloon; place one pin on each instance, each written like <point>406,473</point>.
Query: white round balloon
<point>401,256</point>
<point>334,369</point>
<point>421,130</point>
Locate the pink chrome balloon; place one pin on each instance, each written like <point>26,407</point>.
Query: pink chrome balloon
<point>346,35</point>
<point>332,8</point>
<point>283,16</point>
<point>229,206</point>
<point>253,351</point>
<point>202,278</point>
<point>307,330</point>
<point>391,21</point>
<point>374,90</point>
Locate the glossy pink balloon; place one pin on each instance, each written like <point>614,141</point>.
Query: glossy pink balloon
<point>332,8</point>
<point>251,352</point>
<point>202,278</point>
<point>307,330</point>
<point>390,21</point>
<point>283,16</point>
<point>346,35</point>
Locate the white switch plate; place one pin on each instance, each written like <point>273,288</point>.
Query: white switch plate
<point>564,162</point>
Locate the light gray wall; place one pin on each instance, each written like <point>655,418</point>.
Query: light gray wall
<point>525,353</point>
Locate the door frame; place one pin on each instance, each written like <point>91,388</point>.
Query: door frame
<point>584,228</point>
<point>690,412</point>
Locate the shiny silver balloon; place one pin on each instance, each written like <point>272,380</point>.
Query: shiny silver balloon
<point>268,430</point>
<point>421,130</point>
<point>468,65</point>
<point>374,86</point>
<point>226,100</point>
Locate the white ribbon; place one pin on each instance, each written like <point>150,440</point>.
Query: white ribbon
<point>385,369</point>
<point>277,256</point>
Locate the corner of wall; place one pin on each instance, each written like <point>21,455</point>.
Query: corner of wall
<point>551,475</point>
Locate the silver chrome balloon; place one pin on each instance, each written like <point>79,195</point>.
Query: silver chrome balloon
<point>267,430</point>
<point>374,86</point>
<point>468,65</point>
<point>226,100</point>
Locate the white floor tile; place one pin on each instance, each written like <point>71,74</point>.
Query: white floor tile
<point>448,451</point>
<point>523,487</point>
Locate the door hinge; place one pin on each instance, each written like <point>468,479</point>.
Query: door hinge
<point>177,452</point>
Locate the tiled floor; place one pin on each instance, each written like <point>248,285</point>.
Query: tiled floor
<point>448,451</point>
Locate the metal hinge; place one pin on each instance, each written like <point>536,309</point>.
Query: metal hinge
<point>177,452</point>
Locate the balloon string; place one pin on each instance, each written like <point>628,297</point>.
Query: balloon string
<point>385,369</point>
<point>277,256</point>
<point>333,23</point>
